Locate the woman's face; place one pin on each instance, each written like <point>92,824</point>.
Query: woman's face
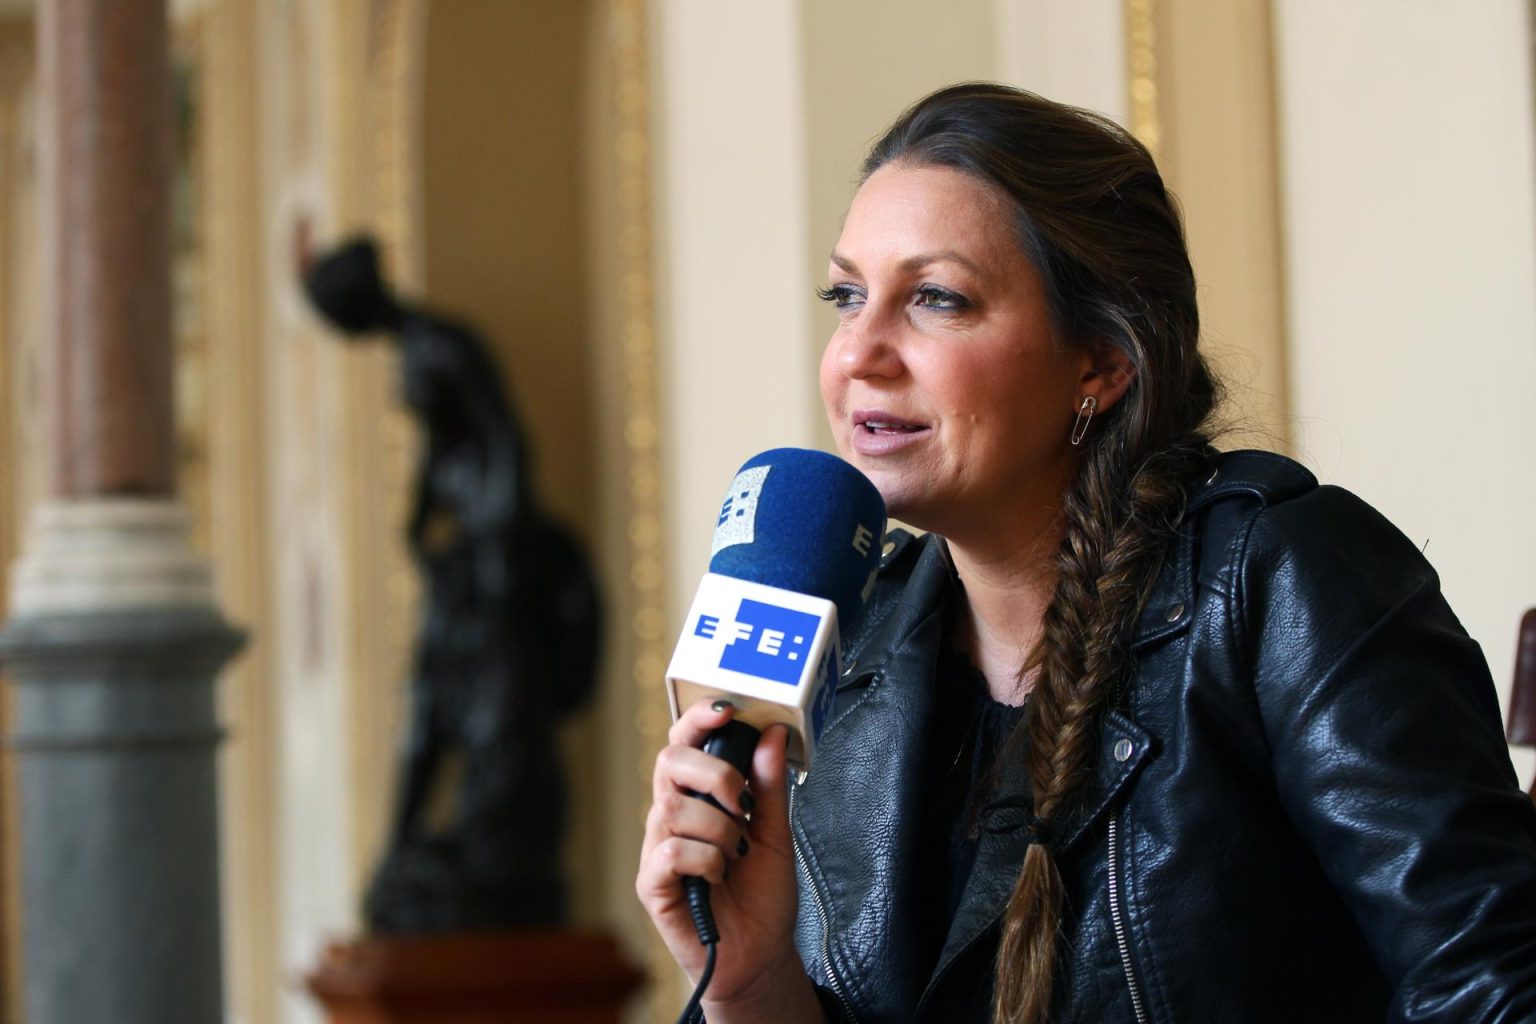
<point>945,382</point>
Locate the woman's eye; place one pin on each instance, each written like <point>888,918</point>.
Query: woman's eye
<point>934,297</point>
<point>840,295</point>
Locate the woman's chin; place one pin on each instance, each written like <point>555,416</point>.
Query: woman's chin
<point>901,502</point>
<point>906,492</point>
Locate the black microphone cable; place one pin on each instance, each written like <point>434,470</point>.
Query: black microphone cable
<point>732,743</point>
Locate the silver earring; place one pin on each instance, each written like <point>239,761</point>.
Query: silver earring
<point>1084,417</point>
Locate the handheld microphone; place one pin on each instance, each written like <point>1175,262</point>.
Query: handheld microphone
<point>794,556</point>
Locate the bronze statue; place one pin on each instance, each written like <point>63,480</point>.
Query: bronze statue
<point>509,633</point>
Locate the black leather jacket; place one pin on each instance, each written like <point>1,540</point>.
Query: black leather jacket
<point>1304,809</point>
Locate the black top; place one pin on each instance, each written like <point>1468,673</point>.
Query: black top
<point>971,732</point>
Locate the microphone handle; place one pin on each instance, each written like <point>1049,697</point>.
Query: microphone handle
<point>732,743</point>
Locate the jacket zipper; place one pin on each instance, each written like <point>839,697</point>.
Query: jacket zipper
<point>821,913</point>
<point>1119,920</point>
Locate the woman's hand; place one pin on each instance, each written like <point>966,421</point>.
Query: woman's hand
<point>749,864</point>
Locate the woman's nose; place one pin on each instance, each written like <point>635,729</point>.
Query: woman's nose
<point>868,347</point>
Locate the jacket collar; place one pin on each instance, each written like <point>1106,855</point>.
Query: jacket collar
<point>1256,476</point>
<point>930,585</point>
<point>897,611</point>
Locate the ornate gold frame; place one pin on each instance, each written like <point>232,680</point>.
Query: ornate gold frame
<point>236,500</point>
<point>381,582</point>
<point>646,578</point>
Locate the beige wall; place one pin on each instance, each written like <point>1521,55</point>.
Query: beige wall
<point>1406,133</point>
<point>1073,52</point>
<point>730,195</point>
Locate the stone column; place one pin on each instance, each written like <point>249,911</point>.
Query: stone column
<point>114,639</point>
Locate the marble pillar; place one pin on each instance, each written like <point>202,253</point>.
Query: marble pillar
<point>114,638</point>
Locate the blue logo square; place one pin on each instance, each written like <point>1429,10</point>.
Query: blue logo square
<point>769,642</point>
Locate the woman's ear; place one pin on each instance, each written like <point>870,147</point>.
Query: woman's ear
<point>1108,375</point>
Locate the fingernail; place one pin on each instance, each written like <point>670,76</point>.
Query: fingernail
<point>747,803</point>
<point>720,705</point>
<point>741,847</point>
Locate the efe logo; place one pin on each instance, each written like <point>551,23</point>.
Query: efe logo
<point>764,640</point>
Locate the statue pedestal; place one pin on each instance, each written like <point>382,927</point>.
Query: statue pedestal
<point>535,977</point>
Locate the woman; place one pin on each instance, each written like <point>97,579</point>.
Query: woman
<point>1137,732</point>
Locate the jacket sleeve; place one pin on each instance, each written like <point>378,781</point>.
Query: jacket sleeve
<point>1389,757</point>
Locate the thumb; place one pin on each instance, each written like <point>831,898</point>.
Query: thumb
<point>770,821</point>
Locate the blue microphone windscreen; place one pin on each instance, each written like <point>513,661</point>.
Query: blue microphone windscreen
<point>804,521</point>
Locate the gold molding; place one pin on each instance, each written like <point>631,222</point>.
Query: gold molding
<point>395,74</point>
<point>237,529</point>
<point>1141,67</point>
<point>348,64</point>
<point>190,265</point>
<point>382,169</point>
<point>641,431</point>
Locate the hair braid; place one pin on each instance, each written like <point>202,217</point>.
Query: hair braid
<point>1116,532</point>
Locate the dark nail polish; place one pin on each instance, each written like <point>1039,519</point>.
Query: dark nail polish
<point>741,847</point>
<point>748,805</point>
<point>721,705</point>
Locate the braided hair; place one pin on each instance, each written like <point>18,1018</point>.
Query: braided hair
<point>1094,218</point>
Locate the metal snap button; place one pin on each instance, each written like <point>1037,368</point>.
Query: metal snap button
<point>853,663</point>
<point>1123,750</point>
<point>1175,612</point>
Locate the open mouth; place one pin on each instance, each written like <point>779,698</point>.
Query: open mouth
<point>877,433</point>
<point>878,421</point>
<point>884,427</point>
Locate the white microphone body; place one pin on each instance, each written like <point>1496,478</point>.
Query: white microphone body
<point>774,654</point>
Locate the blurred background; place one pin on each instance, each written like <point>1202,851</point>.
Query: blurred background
<point>633,200</point>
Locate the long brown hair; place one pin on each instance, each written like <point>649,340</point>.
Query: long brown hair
<point>1106,238</point>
